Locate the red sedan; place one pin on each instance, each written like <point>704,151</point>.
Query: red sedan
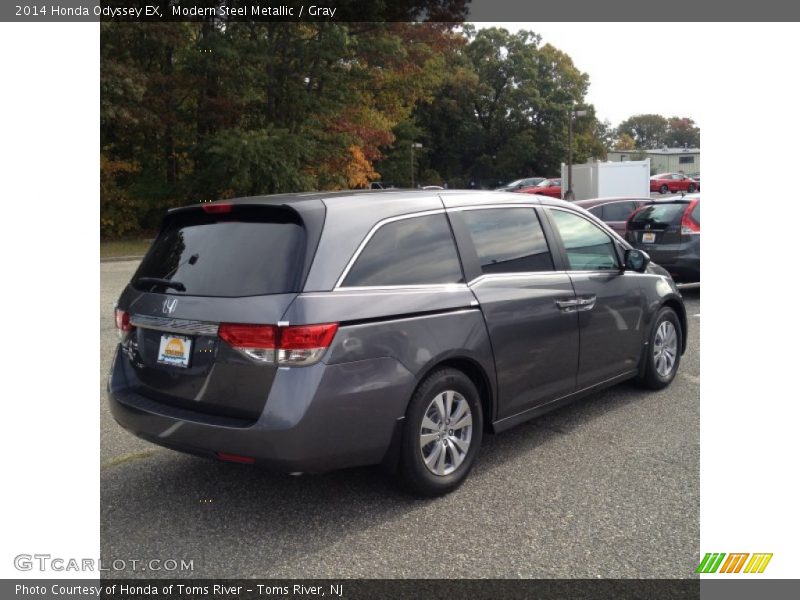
<point>548,187</point>
<point>673,182</point>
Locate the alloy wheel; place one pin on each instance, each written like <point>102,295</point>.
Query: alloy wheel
<point>446,432</point>
<point>665,348</point>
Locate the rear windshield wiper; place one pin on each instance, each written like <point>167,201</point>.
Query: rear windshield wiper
<point>162,282</point>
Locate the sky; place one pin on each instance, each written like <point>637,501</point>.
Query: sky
<point>633,68</point>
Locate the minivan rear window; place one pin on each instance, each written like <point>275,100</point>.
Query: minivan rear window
<point>249,251</point>
<point>659,214</point>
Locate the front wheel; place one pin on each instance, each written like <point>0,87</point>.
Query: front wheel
<point>663,354</point>
<point>442,433</point>
<point>664,189</point>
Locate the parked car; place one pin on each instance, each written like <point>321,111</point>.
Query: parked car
<point>696,177</point>
<point>519,183</point>
<point>669,231</point>
<point>673,182</point>
<point>614,212</point>
<point>381,185</point>
<point>546,187</point>
<point>312,332</point>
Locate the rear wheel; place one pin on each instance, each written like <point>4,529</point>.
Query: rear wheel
<point>663,189</point>
<point>663,354</point>
<point>442,433</point>
<point>691,188</point>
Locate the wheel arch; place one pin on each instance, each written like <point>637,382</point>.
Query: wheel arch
<point>477,374</point>
<point>680,310</point>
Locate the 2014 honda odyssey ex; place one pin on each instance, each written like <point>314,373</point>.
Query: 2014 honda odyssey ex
<point>311,332</point>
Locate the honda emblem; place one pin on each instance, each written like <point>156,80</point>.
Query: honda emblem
<point>169,305</point>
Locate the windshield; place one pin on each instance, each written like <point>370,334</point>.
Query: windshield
<point>248,252</point>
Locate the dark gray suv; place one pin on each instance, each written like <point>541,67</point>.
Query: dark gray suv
<point>311,332</point>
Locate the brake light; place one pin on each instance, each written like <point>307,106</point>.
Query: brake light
<point>254,341</point>
<point>218,208</point>
<point>298,345</point>
<point>303,345</point>
<point>304,337</point>
<point>248,336</point>
<point>122,320</point>
<point>688,224</point>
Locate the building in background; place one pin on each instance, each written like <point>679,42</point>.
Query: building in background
<point>662,160</point>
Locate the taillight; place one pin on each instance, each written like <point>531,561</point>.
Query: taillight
<point>688,224</point>
<point>298,345</point>
<point>255,341</point>
<point>218,208</point>
<point>302,345</point>
<point>123,320</point>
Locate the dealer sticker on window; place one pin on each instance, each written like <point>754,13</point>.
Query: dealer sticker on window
<point>174,350</point>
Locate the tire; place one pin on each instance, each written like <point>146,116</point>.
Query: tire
<point>661,364</point>
<point>690,189</point>
<point>663,189</point>
<point>450,461</point>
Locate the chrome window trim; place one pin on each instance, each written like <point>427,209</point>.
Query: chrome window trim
<point>170,325</point>
<point>365,241</point>
<point>531,205</point>
<point>397,289</point>
<point>524,275</point>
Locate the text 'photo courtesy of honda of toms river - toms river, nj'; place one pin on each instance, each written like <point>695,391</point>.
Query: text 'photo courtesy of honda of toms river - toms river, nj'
<point>311,332</point>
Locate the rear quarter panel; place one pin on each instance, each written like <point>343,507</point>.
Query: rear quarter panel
<point>417,328</point>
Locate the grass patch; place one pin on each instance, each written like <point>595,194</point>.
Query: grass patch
<point>117,248</point>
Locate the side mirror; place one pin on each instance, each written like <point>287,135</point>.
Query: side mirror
<point>636,260</point>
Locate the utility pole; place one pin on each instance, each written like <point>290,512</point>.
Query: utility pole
<point>570,195</point>
<point>413,145</point>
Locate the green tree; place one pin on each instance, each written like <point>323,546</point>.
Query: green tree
<point>648,131</point>
<point>501,111</point>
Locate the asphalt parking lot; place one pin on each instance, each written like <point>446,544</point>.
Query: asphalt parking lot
<point>607,487</point>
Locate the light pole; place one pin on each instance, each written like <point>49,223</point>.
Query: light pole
<point>413,145</point>
<point>570,195</point>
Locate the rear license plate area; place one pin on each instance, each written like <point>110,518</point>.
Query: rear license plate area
<point>648,237</point>
<point>175,350</point>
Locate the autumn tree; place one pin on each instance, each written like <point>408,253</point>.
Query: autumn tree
<point>682,131</point>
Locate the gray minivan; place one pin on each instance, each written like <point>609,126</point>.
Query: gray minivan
<point>310,332</point>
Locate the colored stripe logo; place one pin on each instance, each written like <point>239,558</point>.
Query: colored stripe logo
<point>714,562</point>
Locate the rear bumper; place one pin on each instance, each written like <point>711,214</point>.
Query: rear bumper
<point>317,418</point>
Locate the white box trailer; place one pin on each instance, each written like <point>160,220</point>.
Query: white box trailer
<point>606,179</point>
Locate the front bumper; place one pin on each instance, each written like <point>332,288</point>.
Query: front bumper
<point>315,419</point>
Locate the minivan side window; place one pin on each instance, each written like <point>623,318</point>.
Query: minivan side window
<point>412,251</point>
<point>588,247</point>
<point>508,240</point>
